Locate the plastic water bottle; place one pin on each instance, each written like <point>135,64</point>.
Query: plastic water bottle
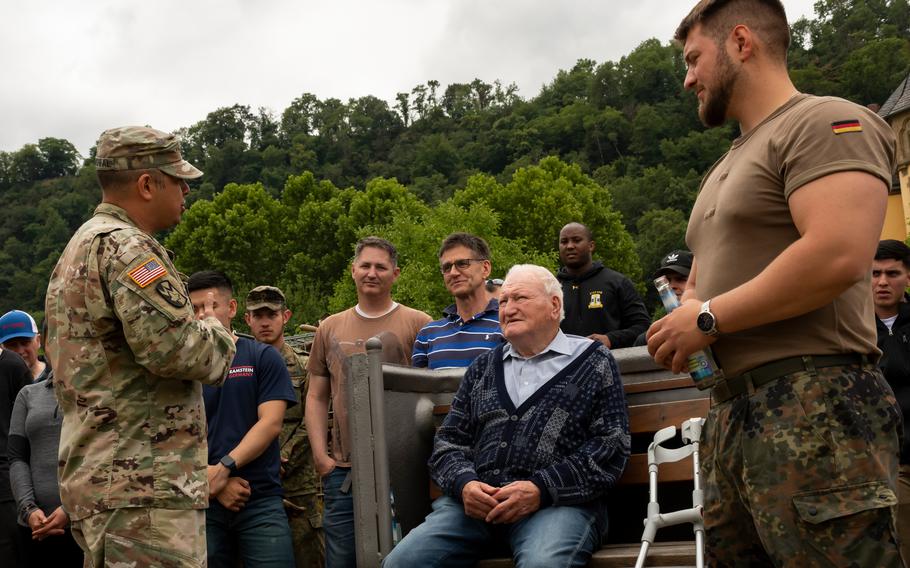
<point>396,526</point>
<point>702,367</point>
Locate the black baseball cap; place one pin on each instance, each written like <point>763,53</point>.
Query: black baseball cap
<point>678,261</point>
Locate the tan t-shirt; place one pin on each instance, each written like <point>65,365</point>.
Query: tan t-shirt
<point>345,334</point>
<point>741,222</point>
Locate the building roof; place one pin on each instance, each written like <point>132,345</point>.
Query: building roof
<point>898,101</point>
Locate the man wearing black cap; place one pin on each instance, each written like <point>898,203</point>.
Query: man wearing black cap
<point>130,359</point>
<point>676,266</point>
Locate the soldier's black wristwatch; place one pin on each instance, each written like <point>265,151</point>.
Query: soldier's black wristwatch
<point>228,462</point>
<point>706,321</point>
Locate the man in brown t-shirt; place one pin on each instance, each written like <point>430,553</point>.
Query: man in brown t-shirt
<point>374,270</point>
<point>801,443</point>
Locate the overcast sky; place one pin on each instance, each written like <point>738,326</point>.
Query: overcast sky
<point>71,69</point>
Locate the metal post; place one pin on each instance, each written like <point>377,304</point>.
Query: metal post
<point>380,453</point>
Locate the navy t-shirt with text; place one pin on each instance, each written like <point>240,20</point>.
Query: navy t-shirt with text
<point>258,374</point>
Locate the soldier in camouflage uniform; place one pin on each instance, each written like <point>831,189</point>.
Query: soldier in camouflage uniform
<point>801,443</point>
<point>267,314</point>
<point>131,359</point>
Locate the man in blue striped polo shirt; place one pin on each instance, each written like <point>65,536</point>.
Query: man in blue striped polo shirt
<point>470,326</point>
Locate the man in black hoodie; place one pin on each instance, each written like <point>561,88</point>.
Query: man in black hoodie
<point>890,278</point>
<point>600,303</point>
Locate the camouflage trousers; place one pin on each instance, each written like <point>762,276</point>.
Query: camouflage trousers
<point>142,537</point>
<point>803,472</point>
<point>903,510</point>
<point>305,518</point>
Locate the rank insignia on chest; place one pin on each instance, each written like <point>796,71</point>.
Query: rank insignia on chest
<point>171,294</point>
<point>595,302</point>
<point>147,272</point>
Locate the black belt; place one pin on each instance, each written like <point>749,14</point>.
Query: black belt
<point>748,382</point>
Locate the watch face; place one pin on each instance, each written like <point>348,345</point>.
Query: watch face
<point>705,322</point>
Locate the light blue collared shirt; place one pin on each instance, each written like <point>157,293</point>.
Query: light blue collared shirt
<point>524,375</point>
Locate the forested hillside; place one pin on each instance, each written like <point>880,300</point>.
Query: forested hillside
<point>615,144</point>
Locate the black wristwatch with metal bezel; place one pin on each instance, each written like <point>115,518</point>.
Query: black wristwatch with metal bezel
<point>228,462</point>
<point>706,321</point>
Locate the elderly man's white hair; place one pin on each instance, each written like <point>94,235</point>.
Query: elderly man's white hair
<point>551,285</point>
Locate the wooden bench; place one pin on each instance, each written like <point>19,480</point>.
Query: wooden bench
<point>655,402</point>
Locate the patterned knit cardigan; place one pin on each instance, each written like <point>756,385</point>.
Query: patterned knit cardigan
<point>570,438</point>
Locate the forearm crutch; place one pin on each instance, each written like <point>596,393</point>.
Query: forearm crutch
<point>657,454</point>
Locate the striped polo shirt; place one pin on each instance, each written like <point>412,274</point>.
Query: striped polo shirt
<point>453,342</point>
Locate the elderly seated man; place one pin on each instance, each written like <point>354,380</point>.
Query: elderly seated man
<point>536,436</point>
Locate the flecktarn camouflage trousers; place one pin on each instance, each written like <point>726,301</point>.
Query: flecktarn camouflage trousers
<point>803,472</point>
<point>305,519</point>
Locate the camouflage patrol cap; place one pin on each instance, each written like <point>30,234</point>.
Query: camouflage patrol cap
<point>142,148</point>
<point>266,297</point>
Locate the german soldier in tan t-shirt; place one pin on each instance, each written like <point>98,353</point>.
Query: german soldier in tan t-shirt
<point>374,270</point>
<point>801,443</point>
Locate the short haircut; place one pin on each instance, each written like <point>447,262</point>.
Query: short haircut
<point>767,18</point>
<point>116,179</point>
<point>478,246</point>
<point>586,229</point>
<point>890,249</point>
<point>377,242</point>
<point>113,180</point>
<point>551,285</point>
<point>205,279</point>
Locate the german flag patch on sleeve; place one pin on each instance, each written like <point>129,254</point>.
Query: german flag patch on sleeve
<point>844,126</point>
<point>147,272</point>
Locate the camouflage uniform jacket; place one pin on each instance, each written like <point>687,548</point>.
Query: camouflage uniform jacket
<point>300,476</point>
<point>130,360</point>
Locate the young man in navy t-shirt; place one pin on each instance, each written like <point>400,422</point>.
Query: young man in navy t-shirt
<point>244,419</point>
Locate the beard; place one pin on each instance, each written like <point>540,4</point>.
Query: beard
<point>713,111</point>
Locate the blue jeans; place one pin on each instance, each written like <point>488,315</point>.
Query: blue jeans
<point>338,520</point>
<point>552,537</point>
<point>260,531</point>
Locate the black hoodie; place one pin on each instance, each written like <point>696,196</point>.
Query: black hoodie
<point>895,364</point>
<point>602,301</point>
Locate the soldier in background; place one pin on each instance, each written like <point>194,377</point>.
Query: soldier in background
<point>130,360</point>
<point>267,314</point>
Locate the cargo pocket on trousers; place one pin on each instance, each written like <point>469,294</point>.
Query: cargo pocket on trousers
<point>315,521</point>
<point>123,551</point>
<point>820,506</point>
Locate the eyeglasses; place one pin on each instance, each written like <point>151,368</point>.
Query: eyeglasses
<point>460,264</point>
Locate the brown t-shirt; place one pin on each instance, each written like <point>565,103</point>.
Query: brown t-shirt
<point>741,222</point>
<point>345,334</point>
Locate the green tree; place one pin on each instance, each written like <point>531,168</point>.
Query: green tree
<point>242,231</point>
<point>653,188</point>
<point>539,200</point>
<point>871,72</point>
<point>659,232</point>
<point>417,238</point>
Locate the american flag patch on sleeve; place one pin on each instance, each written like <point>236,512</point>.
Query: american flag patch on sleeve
<point>147,272</point>
<point>843,126</point>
